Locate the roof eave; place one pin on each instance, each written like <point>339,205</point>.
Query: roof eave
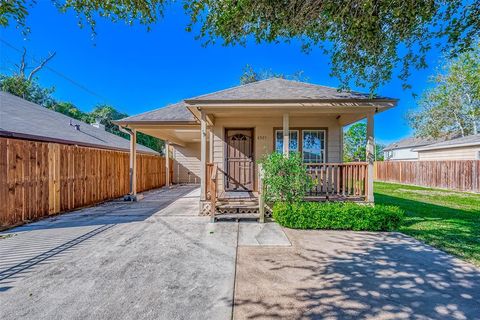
<point>153,122</point>
<point>285,101</point>
<point>460,145</point>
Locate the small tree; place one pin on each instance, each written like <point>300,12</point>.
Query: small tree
<point>285,178</point>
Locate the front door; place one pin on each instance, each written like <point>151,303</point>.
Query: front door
<point>239,160</point>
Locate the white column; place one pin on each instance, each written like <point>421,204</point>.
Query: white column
<point>210,146</point>
<point>286,134</point>
<point>203,155</point>
<point>167,163</point>
<point>133,163</point>
<point>370,157</point>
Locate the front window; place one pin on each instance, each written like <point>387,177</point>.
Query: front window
<point>313,146</point>
<point>293,144</point>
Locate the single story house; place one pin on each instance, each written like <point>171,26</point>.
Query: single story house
<point>23,119</point>
<point>216,139</point>
<point>404,149</point>
<point>464,148</point>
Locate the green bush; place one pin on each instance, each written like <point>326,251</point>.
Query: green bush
<point>337,216</point>
<point>285,178</point>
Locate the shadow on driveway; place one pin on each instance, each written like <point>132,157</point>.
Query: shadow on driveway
<point>354,275</point>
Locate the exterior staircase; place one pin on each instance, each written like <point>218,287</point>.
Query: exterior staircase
<point>237,209</point>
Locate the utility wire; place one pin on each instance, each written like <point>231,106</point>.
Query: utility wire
<point>58,73</point>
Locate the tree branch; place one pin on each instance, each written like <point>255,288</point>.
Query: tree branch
<point>41,65</point>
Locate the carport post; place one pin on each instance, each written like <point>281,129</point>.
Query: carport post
<point>167,163</point>
<point>133,163</point>
<point>203,155</point>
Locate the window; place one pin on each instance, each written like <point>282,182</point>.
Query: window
<point>313,146</point>
<point>293,147</point>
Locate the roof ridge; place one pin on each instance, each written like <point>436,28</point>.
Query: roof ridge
<point>231,88</point>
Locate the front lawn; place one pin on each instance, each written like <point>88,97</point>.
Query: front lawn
<point>445,219</point>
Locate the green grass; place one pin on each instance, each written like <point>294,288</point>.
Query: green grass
<point>444,219</point>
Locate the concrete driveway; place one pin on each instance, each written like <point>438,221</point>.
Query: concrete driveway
<point>354,275</point>
<point>155,259</point>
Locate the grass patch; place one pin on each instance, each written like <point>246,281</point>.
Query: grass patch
<point>445,219</point>
<point>337,216</point>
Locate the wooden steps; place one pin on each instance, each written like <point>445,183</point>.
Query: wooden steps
<point>236,216</point>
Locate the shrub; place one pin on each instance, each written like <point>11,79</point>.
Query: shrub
<point>285,178</point>
<point>337,216</point>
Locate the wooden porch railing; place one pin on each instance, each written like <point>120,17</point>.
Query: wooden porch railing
<point>211,184</point>
<point>339,180</point>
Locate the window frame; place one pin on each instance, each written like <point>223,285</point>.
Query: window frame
<point>324,145</point>
<point>300,133</point>
<point>289,132</point>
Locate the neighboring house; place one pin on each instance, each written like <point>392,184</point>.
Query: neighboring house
<point>224,134</point>
<point>404,149</point>
<point>464,148</point>
<point>22,119</point>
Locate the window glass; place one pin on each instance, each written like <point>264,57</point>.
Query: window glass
<point>313,146</point>
<point>293,147</point>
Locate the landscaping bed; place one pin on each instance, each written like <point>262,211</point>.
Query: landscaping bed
<point>337,216</point>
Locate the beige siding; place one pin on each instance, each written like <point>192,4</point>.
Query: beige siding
<point>264,135</point>
<point>186,164</point>
<point>462,153</point>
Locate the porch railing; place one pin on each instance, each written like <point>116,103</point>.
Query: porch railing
<point>339,180</point>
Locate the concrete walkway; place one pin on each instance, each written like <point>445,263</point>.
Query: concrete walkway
<point>157,259</point>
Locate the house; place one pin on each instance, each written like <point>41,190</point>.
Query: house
<point>464,148</point>
<point>404,149</point>
<point>23,119</point>
<point>216,139</point>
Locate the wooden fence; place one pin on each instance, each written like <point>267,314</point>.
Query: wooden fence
<point>461,175</point>
<point>38,179</point>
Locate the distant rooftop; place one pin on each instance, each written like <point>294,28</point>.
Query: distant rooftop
<point>410,143</point>
<point>23,119</point>
<point>473,140</point>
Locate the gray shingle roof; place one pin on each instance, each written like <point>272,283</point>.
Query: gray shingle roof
<point>410,143</point>
<point>173,112</point>
<point>266,90</point>
<point>282,89</point>
<point>19,117</point>
<point>473,140</point>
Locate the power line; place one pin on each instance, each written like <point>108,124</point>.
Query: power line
<point>58,73</point>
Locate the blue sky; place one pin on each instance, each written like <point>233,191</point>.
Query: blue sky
<point>136,70</point>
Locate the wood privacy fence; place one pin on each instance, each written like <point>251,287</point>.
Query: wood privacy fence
<point>38,179</point>
<point>461,175</point>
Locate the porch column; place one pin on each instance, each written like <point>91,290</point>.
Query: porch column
<point>133,162</point>
<point>370,157</point>
<point>210,145</point>
<point>167,163</point>
<point>203,155</point>
<point>286,134</point>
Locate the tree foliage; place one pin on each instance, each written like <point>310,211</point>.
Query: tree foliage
<point>250,75</point>
<point>366,39</point>
<point>27,89</point>
<point>452,106</point>
<point>355,144</point>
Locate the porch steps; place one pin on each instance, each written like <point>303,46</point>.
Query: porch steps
<point>236,216</point>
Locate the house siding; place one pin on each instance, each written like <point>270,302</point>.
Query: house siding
<point>459,153</point>
<point>264,136</point>
<point>186,163</point>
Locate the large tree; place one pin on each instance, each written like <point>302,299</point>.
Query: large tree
<point>366,39</point>
<point>355,144</point>
<point>452,106</point>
